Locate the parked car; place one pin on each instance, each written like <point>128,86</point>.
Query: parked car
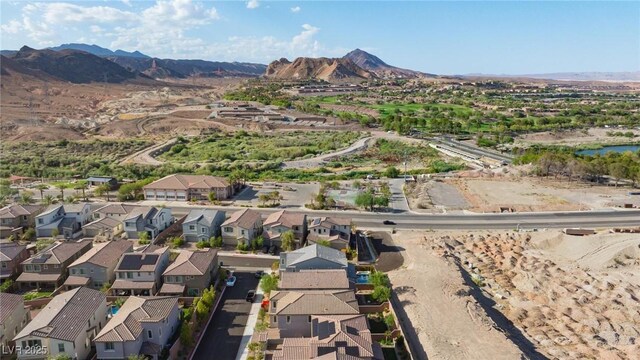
<point>273,249</point>
<point>388,222</point>
<point>231,281</point>
<point>251,295</point>
<point>259,274</point>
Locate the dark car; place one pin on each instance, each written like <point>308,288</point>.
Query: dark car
<point>251,295</point>
<point>259,274</point>
<point>273,249</point>
<point>388,222</point>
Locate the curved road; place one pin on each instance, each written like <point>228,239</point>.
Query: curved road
<point>317,161</point>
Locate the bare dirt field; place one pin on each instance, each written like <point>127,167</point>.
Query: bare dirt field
<point>543,294</point>
<point>572,138</point>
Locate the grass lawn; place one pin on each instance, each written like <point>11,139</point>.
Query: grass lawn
<point>32,295</point>
<point>390,108</point>
<point>256,147</point>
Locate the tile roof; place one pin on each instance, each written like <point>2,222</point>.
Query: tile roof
<point>75,208</point>
<point>208,215</point>
<point>120,209</point>
<point>285,218</point>
<point>126,324</point>
<point>15,210</point>
<point>170,289</point>
<point>122,284</point>
<point>37,277</point>
<point>105,223</point>
<point>11,250</point>
<point>146,212</point>
<point>105,254</point>
<point>51,209</point>
<point>315,302</point>
<point>306,253</point>
<point>8,304</point>
<point>245,219</point>
<point>66,315</point>
<point>327,221</point>
<point>76,281</point>
<point>59,252</point>
<point>184,182</point>
<point>314,280</point>
<point>192,262</point>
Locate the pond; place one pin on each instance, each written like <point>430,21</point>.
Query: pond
<point>606,149</point>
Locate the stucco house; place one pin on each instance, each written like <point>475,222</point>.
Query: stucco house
<point>13,316</point>
<point>48,268</point>
<point>97,266</point>
<point>68,219</point>
<point>140,273</point>
<point>141,326</point>
<point>66,325</point>
<point>147,219</point>
<point>15,218</point>
<point>331,279</point>
<point>106,227</point>
<point>313,257</point>
<point>11,255</point>
<point>182,187</point>
<point>202,224</point>
<point>326,225</point>
<point>190,273</point>
<point>244,225</point>
<point>282,221</point>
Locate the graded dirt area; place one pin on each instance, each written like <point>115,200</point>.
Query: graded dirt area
<point>551,295</point>
<point>576,137</point>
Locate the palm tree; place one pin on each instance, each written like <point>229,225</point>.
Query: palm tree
<point>48,199</point>
<point>61,187</point>
<point>103,190</point>
<point>82,185</point>
<point>26,197</point>
<point>42,188</point>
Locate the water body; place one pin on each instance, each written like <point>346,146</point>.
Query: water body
<point>606,149</point>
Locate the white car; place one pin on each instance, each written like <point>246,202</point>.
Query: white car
<point>231,281</point>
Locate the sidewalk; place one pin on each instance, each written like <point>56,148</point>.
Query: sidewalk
<point>243,350</point>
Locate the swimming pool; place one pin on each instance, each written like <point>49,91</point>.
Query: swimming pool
<point>362,277</point>
<point>114,310</point>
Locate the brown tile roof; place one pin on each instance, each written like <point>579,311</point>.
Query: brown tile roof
<point>171,289</point>
<point>327,221</point>
<point>245,219</point>
<point>126,323</point>
<point>8,304</point>
<point>15,210</point>
<point>120,209</point>
<point>122,284</point>
<point>184,182</point>
<point>315,302</point>
<point>66,316</point>
<point>37,277</point>
<point>106,254</point>
<point>192,262</point>
<point>59,252</point>
<point>76,281</point>
<point>285,218</point>
<point>314,280</point>
<point>105,223</point>
<point>11,250</point>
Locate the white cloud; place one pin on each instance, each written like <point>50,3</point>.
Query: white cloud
<point>296,9</point>
<point>55,13</point>
<point>126,2</point>
<point>12,27</point>
<point>96,29</point>
<point>252,4</point>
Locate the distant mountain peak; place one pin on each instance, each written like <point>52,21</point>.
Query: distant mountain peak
<point>98,50</point>
<point>380,68</point>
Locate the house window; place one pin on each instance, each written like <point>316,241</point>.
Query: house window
<point>4,265</point>
<point>129,275</point>
<point>40,221</point>
<point>274,319</point>
<point>309,319</point>
<point>192,227</point>
<point>81,271</point>
<point>242,231</point>
<point>108,346</point>
<point>150,334</point>
<point>60,347</point>
<point>73,271</point>
<point>274,304</point>
<point>204,230</point>
<point>288,319</point>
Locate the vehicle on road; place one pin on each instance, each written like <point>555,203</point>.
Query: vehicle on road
<point>388,222</point>
<point>251,296</point>
<point>231,281</point>
<point>259,274</point>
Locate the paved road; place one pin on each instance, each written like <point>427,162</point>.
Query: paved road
<point>224,334</point>
<point>405,220</point>
<point>475,150</point>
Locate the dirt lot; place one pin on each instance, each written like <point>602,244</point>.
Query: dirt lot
<point>568,297</point>
<point>571,138</point>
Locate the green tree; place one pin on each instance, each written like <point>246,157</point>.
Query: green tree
<point>381,293</point>
<point>43,243</point>
<point>55,232</point>
<point>212,196</point>
<point>215,242</point>
<point>26,197</point>
<point>288,239</point>
<point>103,189</point>
<point>264,198</point>
<point>269,283</point>
<point>391,172</point>
<point>186,337</point>
<point>82,185</point>
<point>29,234</point>
<point>143,237</point>
<point>61,186</point>
<point>257,243</point>
<point>137,357</point>
<point>48,199</point>
<point>42,188</point>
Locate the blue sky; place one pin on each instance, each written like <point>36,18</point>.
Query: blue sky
<point>504,37</point>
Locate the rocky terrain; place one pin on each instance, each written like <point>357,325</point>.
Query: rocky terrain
<point>327,69</point>
<point>381,69</point>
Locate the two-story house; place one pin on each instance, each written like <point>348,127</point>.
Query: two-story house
<point>190,273</point>
<point>142,326</point>
<point>313,257</point>
<point>15,218</point>
<point>147,219</point>
<point>244,225</point>
<point>66,325</point>
<point>97,266</point>
<point>291,311</point>
<point>11,255</point>
<point>326,226</point>
<point>48,268</point>
<point>282,221</point>
<point>66,219</point>
<point>140,273</point>
<point>202,224</point>
<point>332,337</point>
<point>330,279</point>
<point>13,316</point>
<point>105,227</point>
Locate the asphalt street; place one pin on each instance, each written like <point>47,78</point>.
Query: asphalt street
<point>223,336</point>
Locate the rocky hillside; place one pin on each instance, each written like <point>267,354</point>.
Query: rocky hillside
<point>381,69</point>
<point>75,66</point>
<point>164,68</point>
<point>328,69</point>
